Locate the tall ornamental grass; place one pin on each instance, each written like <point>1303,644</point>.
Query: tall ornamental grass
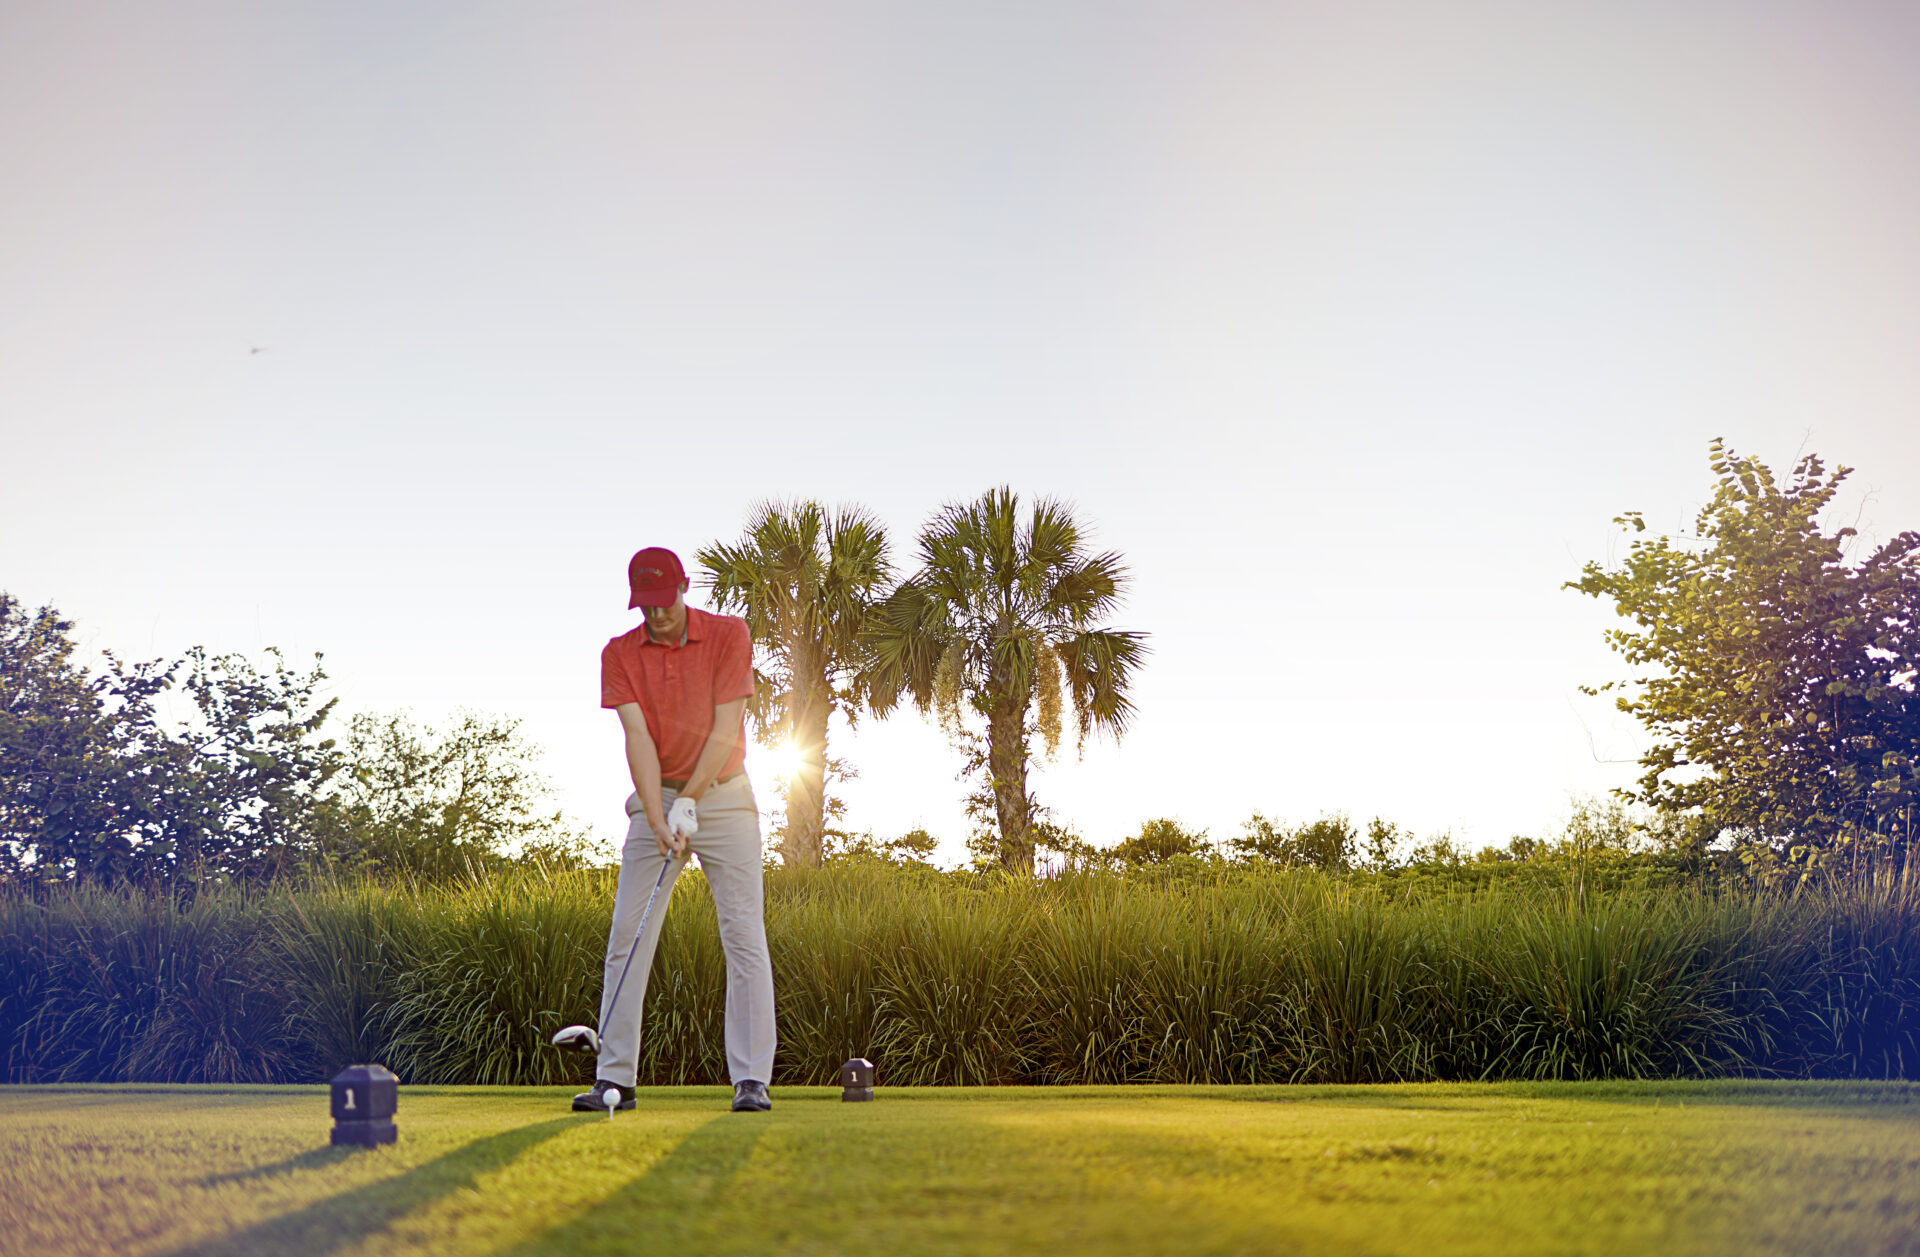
<point>1223,976</point>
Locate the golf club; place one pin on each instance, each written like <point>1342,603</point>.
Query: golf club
<point>586,1038</point>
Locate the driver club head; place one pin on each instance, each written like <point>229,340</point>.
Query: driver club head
<point>581,1038</point>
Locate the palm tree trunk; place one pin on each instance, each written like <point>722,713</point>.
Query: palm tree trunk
<point>807,788</point>
<point>1007,765</point>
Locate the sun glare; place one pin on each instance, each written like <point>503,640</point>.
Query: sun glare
<point>782,760</point>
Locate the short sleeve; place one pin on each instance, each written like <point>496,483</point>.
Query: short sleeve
<point>733,667</point>
<point>616,688</point>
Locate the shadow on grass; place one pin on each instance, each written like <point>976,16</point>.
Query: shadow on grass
<point>351,1216</point>
<point>680,1200</point>
<point>311,1159</point>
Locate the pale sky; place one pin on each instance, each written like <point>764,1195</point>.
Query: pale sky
<point>1350,325</point>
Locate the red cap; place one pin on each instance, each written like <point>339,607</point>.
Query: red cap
<point>655,576</point>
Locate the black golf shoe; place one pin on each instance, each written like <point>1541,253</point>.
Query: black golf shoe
<point>595,1101</point>
<point>751,1097</point>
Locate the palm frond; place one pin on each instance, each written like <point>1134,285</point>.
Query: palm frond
<point>1100,665</point>
<point>1089,588</point>
<point>1052,544</point>
<point>908,634</point>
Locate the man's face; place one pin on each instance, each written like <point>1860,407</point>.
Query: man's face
<point>663,621</point>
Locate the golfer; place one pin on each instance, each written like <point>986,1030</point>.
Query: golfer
<point>680,683</point>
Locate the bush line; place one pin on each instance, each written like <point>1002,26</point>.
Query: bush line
<point>1211,976</point>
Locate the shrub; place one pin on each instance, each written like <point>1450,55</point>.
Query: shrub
<point>1189,971</point>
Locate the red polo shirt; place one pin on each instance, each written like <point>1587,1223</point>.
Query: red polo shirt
<point>679,685</point>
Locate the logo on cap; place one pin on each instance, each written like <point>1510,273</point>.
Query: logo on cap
<point>654,578</point>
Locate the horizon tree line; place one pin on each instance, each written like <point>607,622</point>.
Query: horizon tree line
<point>1782,693</point>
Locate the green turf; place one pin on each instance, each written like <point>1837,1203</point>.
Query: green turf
<point>1748,1168</point>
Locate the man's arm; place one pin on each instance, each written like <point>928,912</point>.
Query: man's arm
<point>718,750</point>
<point>643,762</point>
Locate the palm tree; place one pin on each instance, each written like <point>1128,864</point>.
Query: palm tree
<point>805,579</point>
<point>1001,619</point>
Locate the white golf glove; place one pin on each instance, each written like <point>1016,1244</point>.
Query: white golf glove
<point>683,821</point>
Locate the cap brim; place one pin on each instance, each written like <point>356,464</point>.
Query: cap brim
<point>653,597</point>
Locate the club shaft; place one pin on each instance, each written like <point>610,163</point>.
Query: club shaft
<point>646,914</point>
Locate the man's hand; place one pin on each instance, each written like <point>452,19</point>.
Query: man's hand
<point>665,837</point>
<point>683,821</point>
<point>668,837</point>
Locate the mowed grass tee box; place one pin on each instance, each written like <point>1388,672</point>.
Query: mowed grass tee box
<point>1600,1168</point>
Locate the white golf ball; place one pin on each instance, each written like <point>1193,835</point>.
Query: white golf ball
<point>613,1100</point>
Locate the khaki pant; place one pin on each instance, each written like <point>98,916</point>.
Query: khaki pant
<point>728,845</point>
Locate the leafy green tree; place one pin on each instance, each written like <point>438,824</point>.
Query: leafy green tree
<point>1328,843</point>
<point>1002,624</point>
<point>806,580</point>
<point>1262,840</point>
<point>1440,849</point>
<point>1382,847</point>
<point>1158,842</point>
<point>245,777</point>
<point>1601,826</point>
<point>915,847</point>
<point>94,787</point>
<point>1059,847</point>
<point>1521,849</point>
<point>72,798</point>
<point>419,803</point>
<point>1780,690</point>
